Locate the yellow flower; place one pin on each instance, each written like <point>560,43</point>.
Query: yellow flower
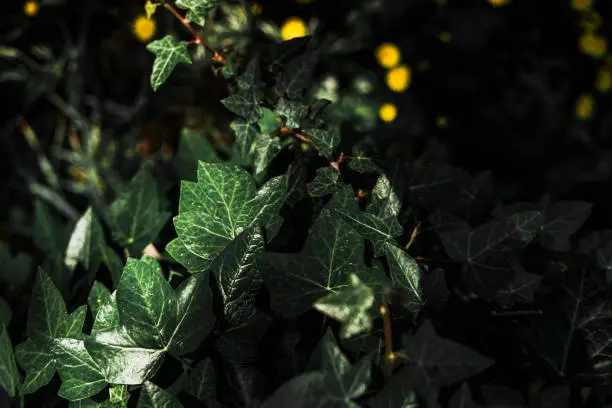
<point>387,112</point>
<point>603,82</point>
<point>498,3</point>
<point>387,55</point>
<point>590,20</point>
<point>581,4</point>
<point>585,105</point>
<point>442,121</point>
<point>592,44</point>
<point>445,37</point>
<point>398,79</point>
<point>30,8</point>
<point>256,8</point>
<point>143,28</point>
<point>292,28</point>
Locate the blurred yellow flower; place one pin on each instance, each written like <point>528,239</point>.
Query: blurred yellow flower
<point>603,82</point>
<point>292,28</point>
<point>143,28</point>
<point>30,8</point>
<point>256,8</point>
<point>498,3</point>
<point>445,37</point>
<point>399,78</point>
<point>442,121</point>
<point>387,55</point>
<point>585,105</point>
<point>592,44</point>
<point>581,4</point>
<point>387,112</point>
<point>590,20</point>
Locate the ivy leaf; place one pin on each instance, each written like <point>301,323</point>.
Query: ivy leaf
<point>343,381</point>
<point>119,395</point>
<point>9,375</point>
<point>202,381</point>
<point>377,230</point>
<point>406,274</point>
<point>250,76</point>
<point>265,150</point>
<point>349,306</point>
<point>487,250</point>
<point>437,362</point>
<point>332,251</point>
<point>236,270</point>
<point>245,103</point>
<point>292,111</point>
<point>462,398</point>
<point>80,375</point>
<point>327,181</point>
<point>325,140</point>
<point>395,395</point>
<point>48,323</point>
<point>246,133</point>
<point>15,271</point>
<point>152,396</point>
<point>223,203</point>
<point>384,201</point>
<point>168,54</point>
<point>88,246</point>
<point>48,231</point>
<point>99,295</point>
<point>193,147</point>
<point>303,391</point>
<point>269,122</point>
<point>297,75</point>
<point>239,343</point>
<point>135,216</point>
<point>521,288</point>
<point>560,221</point>
<point>179,252</point>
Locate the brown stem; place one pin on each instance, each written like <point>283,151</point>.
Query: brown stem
<point>389,355</point>
<point>197,39</point>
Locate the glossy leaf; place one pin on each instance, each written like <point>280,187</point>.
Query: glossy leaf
<point>327,181</point>
<point>332,251</point>
<point>80,375</point>
<point>406,274</point>
<point>325,140</point>
<point>377,230</point>
<point>245,133</point>
<point>245,103</point>
<point>152,396</point>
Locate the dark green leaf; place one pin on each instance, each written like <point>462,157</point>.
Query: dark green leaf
<point>223,203</point>
<point>202,381</point>
<point>343,381</point>
<point>152,396</point>
<point>377,230</point>
<point>303,391</point>
<point>327,181</point>
<point>265,150</point>
<point>250,76</point>
<point>168,54</point>
<point>48,231</point>
<point>6,314</point>
<point>406,274</point>
<point>396,394</point>
<point>9,375</point>
<point>98,296</point>
<point>462,398</point>
<point>292,111</point>
<point>15,271</point>
<point>436,362</point>
<point>80,375</point>
<point>179,252</point>
<point>560,221</point>
<point>325,140</point>
<point>297,75</point>
<point>135,216</point>
<point>246,133</point>
<point>332,251</point>
<point>349,306</point>
<point>193,146</point>
<point>245,103</point>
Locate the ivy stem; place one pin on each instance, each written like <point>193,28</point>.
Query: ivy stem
<point>389,354</point>
<point>197,39</point>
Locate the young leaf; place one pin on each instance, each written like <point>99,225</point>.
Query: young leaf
<point>223,203</point>
<point>9,375</point>
<point>350,306</point>
<point>168,54</point>
<point>135,216</point>
<point>197,9</point>
<point>152,396</point>
<point>332,251</point>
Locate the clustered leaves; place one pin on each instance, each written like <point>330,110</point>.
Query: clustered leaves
<point>386,256</point>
